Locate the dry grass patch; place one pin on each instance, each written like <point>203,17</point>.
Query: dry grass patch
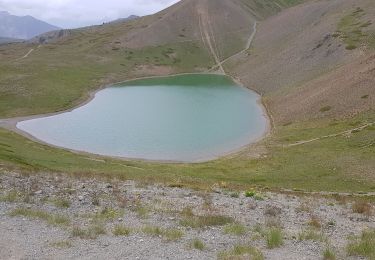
<point>362,207</point>
<point>52,219</point>
<point>170,234</point>
<point>241,252</point>
<point>91,232</point>
<point>63,244</point>
<point>329,254</point>
<point>61,203</point>
<point>12,197</point>
<point>313,235</point>
<point>197,244</point>
<point>108,214</point>
<point>235,229</point>
<point>315,222</point>
<point>121,230</point>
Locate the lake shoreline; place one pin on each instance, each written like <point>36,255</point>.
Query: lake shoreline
<point>11,124</point>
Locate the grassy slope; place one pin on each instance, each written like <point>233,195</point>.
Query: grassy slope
<point>59,75</point>
<point>337,164</point>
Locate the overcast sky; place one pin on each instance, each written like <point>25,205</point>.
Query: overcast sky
<point>77,13</point>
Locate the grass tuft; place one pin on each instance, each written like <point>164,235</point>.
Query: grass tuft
<point>241,252</point>
<point>171,234</point>
<point>91,232</point>
<point>197,244</point>
<point>363,245</point>
<point>52,219</point>
<point>61,244</point>
<point>329,254</point>
<point>274,238</point>
<point>235,229</point>
<point>121,230</point>
<point>311,235</point>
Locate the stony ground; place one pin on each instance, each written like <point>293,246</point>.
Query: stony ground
<point>58,217</point>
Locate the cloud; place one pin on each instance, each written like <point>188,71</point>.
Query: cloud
<point>76,13</point>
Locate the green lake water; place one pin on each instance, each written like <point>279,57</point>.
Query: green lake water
<point>186,118</point>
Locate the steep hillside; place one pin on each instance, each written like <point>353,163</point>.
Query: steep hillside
<point>22,27</point>
<point>189,36</point>
<point>297,56</point>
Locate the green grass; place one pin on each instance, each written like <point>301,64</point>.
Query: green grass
<point>334,164</point>
<point>52,219</point>
<point>235,229</point>
<point>241,252</point>
<point>351,30</point>
<point>121,230</point>
<point>197,244</point>
<point>274,238</point>
<point>363,245</point>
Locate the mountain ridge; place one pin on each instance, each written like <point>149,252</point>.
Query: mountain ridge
<point>22,27</point>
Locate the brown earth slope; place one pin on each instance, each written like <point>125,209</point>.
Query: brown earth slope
<point>304,68</point>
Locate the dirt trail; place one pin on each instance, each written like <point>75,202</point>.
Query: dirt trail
<point>346,132</point>
<point>27,54</point>
<point>248,45</point>
<point>207,32</point>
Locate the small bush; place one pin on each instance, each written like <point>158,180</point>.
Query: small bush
<point>197,244</point>
<point>325,109</point>
<point>235,229</point>
<point>121,230</point>
<point>363,245</point>
<point>274,238</point>
<point>241,252</point>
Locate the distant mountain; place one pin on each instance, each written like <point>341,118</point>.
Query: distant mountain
<point>8,40</point>
<point>22,27</point>
<point>131,17</point>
